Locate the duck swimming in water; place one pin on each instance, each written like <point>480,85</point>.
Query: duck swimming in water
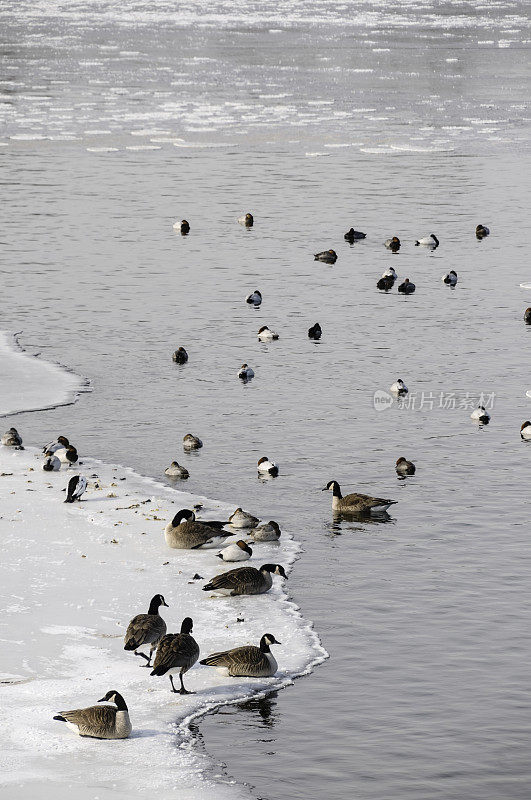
<point>525,430</point>
<point>428,241</point>
<point>385,284</point>
<point>354,236</point>
<point>393,244</point>
<point>267,335</point>
<point>315,331</point>
<point>180,356</point>
<point>407,287</point>
<point>246,372</point>
<point>451,278</point>
<point>176,471</point>
<point>182,226</point>
<point>327,257</point>
<point>481,415</point>
<point>267,467</point>
<point>255,298</point>
<point>399,387</point>
<point>247,220</point>
<point>482,231</point>
<point>527,316</point>
<point>191,442</point>
<point>405,467</point>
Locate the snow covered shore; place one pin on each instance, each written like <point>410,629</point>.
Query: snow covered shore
<point>72,576</point>
<point>30,384</point>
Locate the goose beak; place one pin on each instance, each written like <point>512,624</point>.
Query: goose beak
<point>324,489</point>
<point>103,700</point>
<point>165,604</point>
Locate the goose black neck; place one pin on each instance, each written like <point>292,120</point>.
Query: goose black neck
<point>154,605</point>
<point>119,702</point>
<point>268,567</point>
<point>264,646</point>
<point>337,490</point>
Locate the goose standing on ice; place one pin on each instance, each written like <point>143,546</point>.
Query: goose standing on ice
<point>177,652</point>
<point>247,661</point>
<point>266,335</point>
<point>176,471</point>
<point>267,467</point>
<point>525,431</point>
<point>191,442</point>
<point>266,532</point>
<point>315,331</point>
<point>255,298</point>
<point>245,580</point>
<point>242,519</point>
<point>482,231</point>
<point>246,372</point>
<point>327,256</point>
<point>76,487</point>
<point>180,356</point>
<point>399,388</point>
<point>407,287</point>
<point>405,467</point>
<point>184,533</point>
<point>393,244</point>
<point>12,438</point>
<point>146,629</point>
<point>451,278</point>
<point>239,551</point>
<point>247,220</point>
<point>356,503</point>
<point>100,722</point>
<point>481,415</point>
<point>428,241</point>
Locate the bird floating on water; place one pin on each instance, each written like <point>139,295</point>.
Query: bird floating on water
<point>327,256</point>
<point>356,503</point>
<point>180,356</point>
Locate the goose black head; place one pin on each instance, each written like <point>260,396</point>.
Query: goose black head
<point>114,697</point>
<point>331,486</point>
<point>184,515</point>
<point>276,569</point>
<point>187,625</point>
<point>266,640</point>
<point>157,601</point>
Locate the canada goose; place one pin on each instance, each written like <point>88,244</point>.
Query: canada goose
<point>12,438</point>
<point>266,335</point>
<point>176,471</point>
<point>60,443</point>
<point>52,464</point>
<point>404,467</point>
<point>385,284</point>
<point>246,662</point>
<point>191,442</point>
<point>184,533</point>
<point>267,467</point>
<point>76,487</point>
<point>246,372</point>
<point>481,415</point>
<point>242,519</point>
<point>407,287</point>
<point>327,256</point>
<point>315,331</point>
<point>428,241</point>
<point>390,272</point>
<point>266,532</point>
<point>146,629</point>
<point>525,430</point>
<point>451,278</point>
<point>393,244</point>
<point>239,551</point>
<point>399,387</point>
<point>100,722</point>
<point>255,298</point>
<point>180,356</point>
<point>245,580</point>
<point>176,652</point>
<point>353,236</point>
<point>247,220</point>
<point>360,503</point>
<point>527,316</point>
<point>482,231</point>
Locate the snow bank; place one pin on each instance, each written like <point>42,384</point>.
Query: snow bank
<point>72,577</point>
<point>29,384</point>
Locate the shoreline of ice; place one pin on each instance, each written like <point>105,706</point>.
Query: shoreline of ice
<point>32,384</point>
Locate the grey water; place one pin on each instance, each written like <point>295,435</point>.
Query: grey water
<point>118,119</point>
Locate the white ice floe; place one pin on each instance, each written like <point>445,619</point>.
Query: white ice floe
<point>29,383</point>
<point>75,576</point>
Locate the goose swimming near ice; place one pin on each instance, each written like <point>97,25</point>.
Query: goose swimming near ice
<point>76,487</point>
<point>100,722</point>
<point>405,467</point>
<point>185,533</point>
<point>481,415</point>
<point>242,519</point>
<point>315,331</point>
<point>191,442</point>
<point>525,430</point>
<point>239,551</point>
<point>482,231</point>
<point>245,580</point>
<point>451,278</point>
<point>177,652</point>
<point>267,467</point>
<point>393,244</point>
<point>266,532</point>
<point>12,438</point>
<point>180,356</point>
<point>407,287</point>
<point>183,227</point>
<point>354,236</point>
<point>428,241</point>
<point>356,503</point>
<point>60,443</point>
<point>327,257</point>
<point>52,464</point>
<point>176,471</point>
<point>247,661</point>
<point>255,298</point>
<point>146,629</point>
<point>246,372</point>
<point>247,220</point>
<point>266,335</point>
<point>399,387</point>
